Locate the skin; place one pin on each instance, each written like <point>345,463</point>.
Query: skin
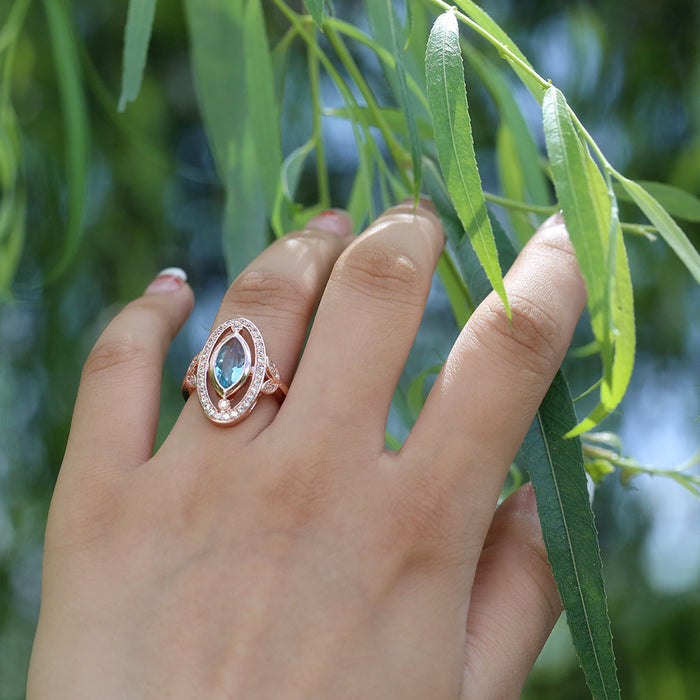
<point>292,555</point>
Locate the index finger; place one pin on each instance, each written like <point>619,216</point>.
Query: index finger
<point>493,381</point>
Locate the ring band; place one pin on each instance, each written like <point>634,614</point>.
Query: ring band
<point>232,362</point>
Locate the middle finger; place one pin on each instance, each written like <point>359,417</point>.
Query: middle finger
<point>366,323</point>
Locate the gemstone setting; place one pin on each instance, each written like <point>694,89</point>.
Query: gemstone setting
<point>230,365</point>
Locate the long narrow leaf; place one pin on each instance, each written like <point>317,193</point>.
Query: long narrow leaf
<point>677,202</point>
<point>472,10</point>
<point>619,295</point>
<point>580,203</point>
<point>76,126</point>
<point>216,30</point>
<point>137,36</point>
<point>316,9</point>
<point>447,98</point>
<point>558,476</point>
<point>502,92</point>
<point>670,231</point>
<point>383,15</point>
<point>263,113</point>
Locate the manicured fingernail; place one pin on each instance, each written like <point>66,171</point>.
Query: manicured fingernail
<point>333,220</point>
<point>169,280</point>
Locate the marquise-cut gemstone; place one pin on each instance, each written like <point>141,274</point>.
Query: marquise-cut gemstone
<point>232,364</point>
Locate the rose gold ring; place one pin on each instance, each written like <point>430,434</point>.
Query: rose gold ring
<point>231,372</point>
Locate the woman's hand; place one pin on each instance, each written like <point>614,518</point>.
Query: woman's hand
<point>292,555</point>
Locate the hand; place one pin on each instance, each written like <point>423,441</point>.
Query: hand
<point>292,555</point>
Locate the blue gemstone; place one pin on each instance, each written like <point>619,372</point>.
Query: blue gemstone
<point>232,366</point>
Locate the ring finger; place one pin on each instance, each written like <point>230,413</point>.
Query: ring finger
<point>279,292</point>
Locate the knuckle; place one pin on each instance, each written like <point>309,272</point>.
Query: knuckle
<point>268,290</point>
<point>378,271</point>
<point>110,354</point>
<point>534,339</point>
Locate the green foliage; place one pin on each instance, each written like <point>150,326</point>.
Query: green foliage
<point>558,476</point>
<point>453,138</point>
<point>137,35</point>
<point>409,135</point>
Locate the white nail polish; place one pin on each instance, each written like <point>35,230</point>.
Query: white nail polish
<point>173,272</point>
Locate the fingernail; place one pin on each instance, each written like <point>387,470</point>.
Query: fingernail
<point>169,280</point>
<point>334,221</point>
<point>554,220</point>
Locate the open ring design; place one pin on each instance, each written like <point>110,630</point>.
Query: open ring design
<point>233,363</point>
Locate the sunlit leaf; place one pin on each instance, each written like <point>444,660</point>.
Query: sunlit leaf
<point>670,231</point>
<point>137,36</point>
<point>558,476</point>
<point>613,385</point>
<point>580,203</point>
<point>453,138</point>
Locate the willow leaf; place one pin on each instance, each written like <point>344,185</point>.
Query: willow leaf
<point>216,30</point>
<point>263,112</point>
<point>528,155</point>
<point>670,231</point>
<point>316,9</point>
<point>76,126</point>
<point>677,202</point>
<point>512,178</point>
<point>614,385</point>
<point>472,10</point>
<point>383,15</point>
<point>558,476</point>
<point>580,203</point>
<point>137,36</point>
<point>447,98</point>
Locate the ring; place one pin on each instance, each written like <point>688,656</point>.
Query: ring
<point>233,361</point>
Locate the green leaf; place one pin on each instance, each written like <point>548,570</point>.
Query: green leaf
<point>619,295</point>
<point>137,35</point>
<point>675,201</point>
<point>524,147</point>
<point>415,394</point>
<point>284,209</point>
<point>76,127</point>
<point>383,15</point>
<point>235,89</point>
<point>263,112</point>
<point>394,118</point>
<point>558,476</point>
<point>582,205</point>
<point>666,226</point>
<point>447,98</point>
<point>316,9</point>
<point>512,179</point>
<point>481,18</point>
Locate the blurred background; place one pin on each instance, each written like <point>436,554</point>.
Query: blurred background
<point>630,70</point>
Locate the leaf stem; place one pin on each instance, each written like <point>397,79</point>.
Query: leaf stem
<point>520,206</point>
<point>398,153</point>
<point>317,135</point>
